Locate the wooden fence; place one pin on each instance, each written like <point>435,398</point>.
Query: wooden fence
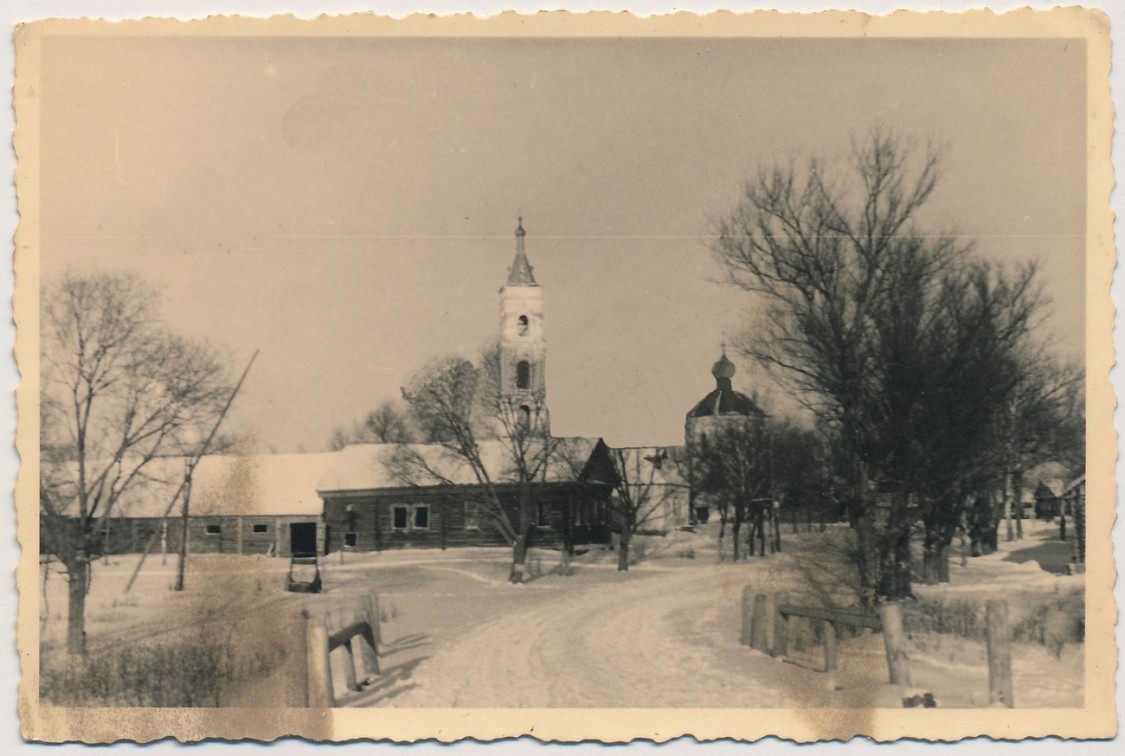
<point>354,631</point>
<point>757,609</point>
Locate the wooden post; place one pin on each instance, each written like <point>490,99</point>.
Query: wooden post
<point>999,653</point>
<point>894,640</point>
<point>350,680</point>
<point>759,637</point>
<point>370,651</point>
<point>780,625</point>
<point>747,615</point>
<point>320,694</point>
<point>829,631</point>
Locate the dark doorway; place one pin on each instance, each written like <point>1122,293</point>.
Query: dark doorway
<point>302,539</point>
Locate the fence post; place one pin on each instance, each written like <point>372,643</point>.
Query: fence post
<point>320,694</point>
<point>747,614</point>
<point>894,639</point>
<point>759,637</point>
<point>829,631</point>
<point>999,653</point>
<point>370,651</point>
<point>780,625</point>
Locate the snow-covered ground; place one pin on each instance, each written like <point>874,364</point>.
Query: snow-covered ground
<point>665,634</point>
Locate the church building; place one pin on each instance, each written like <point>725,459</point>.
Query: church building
<point>370,504</point>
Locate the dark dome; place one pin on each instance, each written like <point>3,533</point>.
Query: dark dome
<point>724,401</point>
<point>724,368</point>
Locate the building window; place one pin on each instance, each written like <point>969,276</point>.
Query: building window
<point>399,517</point>
<point>523,374</point>
<point>472,516</point>
<point>544,514</point>
<point>350,540</point>
<point>525,417</point>
<point>523,325</point>
<point>421,517</point>
<point>214,529</point>
<point>261,528</point>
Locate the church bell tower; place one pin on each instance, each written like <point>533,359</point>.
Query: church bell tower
<point>523,350</point>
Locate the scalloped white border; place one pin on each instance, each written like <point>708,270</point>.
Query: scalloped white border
<point>15,10</point>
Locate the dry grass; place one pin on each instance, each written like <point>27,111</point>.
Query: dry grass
<point>1052,621</point>
<point>190,672</point>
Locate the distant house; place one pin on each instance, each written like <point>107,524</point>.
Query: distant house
<point>369,507</point>
<point>1047,500</point>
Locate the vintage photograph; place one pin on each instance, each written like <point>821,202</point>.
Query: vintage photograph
<point>632,371</point>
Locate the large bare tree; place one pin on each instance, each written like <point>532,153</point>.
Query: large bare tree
<point>119,391</point>
<point>458,406</point>
<point>889,332</point>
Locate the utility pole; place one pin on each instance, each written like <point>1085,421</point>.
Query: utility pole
<point>187,479</point>
<point>184,528</point>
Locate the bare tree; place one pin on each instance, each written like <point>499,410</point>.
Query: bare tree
<point>645,482</point>
<point>458,406</point>
<point>118,392</point>
<point>386,424</point>
<point>734,460</point>
<point>889,334</point>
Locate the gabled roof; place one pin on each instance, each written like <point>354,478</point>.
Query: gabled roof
<point>370,467</point>
<point>1047,489</point>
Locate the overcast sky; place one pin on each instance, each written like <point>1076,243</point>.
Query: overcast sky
<point>347,206</point>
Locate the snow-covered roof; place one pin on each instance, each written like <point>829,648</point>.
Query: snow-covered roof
<point>269,484</point>
<point>367,467</point>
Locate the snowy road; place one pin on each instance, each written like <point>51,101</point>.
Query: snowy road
<point>667,640</point>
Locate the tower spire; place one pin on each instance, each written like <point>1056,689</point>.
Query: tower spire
<point>521,271</point>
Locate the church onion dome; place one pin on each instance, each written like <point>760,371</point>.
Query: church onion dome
<point>521,272</point>
<point>724,400</point>
<point>724,368</point>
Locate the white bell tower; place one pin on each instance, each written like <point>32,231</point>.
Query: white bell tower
<point>523,350</point>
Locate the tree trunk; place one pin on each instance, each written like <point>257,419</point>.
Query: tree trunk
<point>519,558</point>
<point>868,560</point>
<point>77,577</point>
<point>943,564</point>
<point>623,551</point>
<point>1008,506</point>
<point>722,532</point>
<point>1017,496</point>
<point>735,529</point>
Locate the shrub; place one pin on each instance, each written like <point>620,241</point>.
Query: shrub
<point>1054,623</point>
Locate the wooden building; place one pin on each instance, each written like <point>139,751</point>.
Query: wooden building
<point>370,507</point>
<point>263,504</point>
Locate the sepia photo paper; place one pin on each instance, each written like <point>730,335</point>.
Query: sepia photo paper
<point>585,377</point>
